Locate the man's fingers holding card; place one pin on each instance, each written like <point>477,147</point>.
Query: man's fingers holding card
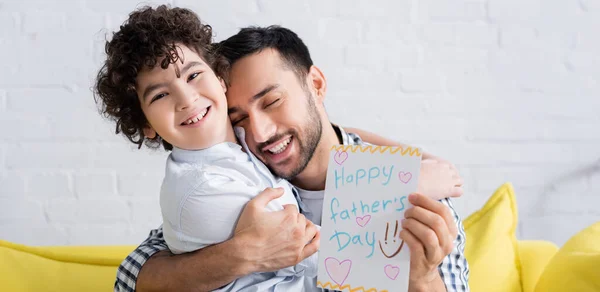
<point>431,205</point>
<point>414,245</point>
<point>437,208</point>
<point>430,228</point>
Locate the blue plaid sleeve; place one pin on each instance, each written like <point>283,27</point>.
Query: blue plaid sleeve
<point>454,269</point>
<point>129,269</point>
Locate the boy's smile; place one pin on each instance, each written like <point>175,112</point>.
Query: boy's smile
<point>195,118</point>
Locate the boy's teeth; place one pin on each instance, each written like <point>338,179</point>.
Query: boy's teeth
<point>197,117</point>
<point>280,147</point>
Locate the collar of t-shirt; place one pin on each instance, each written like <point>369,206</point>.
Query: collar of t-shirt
<point>208,155</point>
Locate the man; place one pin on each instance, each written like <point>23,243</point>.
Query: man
<point>276,94</point>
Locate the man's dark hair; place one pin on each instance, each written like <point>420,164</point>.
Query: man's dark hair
<point>252,40</point>
<point>147,36</point>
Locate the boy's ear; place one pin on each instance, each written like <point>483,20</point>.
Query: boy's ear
<point>223,84</point>
<point>149,132</point>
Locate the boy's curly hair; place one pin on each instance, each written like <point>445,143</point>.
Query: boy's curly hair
<point>147,36</point>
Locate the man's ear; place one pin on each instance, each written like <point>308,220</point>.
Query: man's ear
<point>318,81</point>
<point>149,132</point>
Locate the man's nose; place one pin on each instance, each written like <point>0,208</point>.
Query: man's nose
<point>262,128</point>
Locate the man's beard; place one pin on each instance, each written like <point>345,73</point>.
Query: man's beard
<point>307,144</point>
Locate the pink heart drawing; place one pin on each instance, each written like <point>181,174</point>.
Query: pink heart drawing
<point>340,157</point>
<point>338,271</point>
<point>362,221</point>
<point>391,271</point>
<point>404,176</point>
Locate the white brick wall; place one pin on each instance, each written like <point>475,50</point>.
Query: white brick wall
<point>507,90</point>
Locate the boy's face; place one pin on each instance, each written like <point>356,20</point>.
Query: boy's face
<point>189,111</point>
<point>280,116</point>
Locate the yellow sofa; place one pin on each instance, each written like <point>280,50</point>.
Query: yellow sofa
<point>497,260</point>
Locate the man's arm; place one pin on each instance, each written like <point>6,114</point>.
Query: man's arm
<point>152,267</point>
<point>203,270</point>
<point>263,241</point>
<point>128,271</point>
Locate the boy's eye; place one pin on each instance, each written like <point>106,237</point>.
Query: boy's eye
<point>193,76</point>
<point>158,96</point>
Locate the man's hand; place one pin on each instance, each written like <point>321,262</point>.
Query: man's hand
<point>274,240</point>
<point>429,231</point>
<point>439,180</point>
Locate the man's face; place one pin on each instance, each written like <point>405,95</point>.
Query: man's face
<point>189,111</point>
<point>277,111</point>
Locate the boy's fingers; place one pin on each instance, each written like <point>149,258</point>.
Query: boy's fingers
<point>459,181</point>
<point>456,192</point>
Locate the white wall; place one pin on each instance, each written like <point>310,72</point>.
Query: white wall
<point>506,89</point>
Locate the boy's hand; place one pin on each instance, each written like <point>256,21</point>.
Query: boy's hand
<point>439,180</point>
<point>274,240</point>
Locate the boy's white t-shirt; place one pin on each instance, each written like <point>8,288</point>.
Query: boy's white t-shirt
<point>204,192</point>
<point>202,196</point>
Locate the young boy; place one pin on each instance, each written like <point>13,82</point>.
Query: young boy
<point>159,87</point>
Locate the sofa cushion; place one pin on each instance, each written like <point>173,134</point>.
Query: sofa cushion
<point>64,269</point>
<point>491,247</point>
<point>576,265</point>
<point>534,255</point>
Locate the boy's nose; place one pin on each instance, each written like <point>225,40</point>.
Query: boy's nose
<point>187,100</point>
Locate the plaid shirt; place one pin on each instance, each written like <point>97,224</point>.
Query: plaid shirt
<point>454,269</point>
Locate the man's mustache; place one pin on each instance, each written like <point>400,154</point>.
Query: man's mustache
<point>274,139</point>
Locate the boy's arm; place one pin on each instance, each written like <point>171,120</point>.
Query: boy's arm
<point>375,139</point>
<point>439,178</point>
<point>262,241</point>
